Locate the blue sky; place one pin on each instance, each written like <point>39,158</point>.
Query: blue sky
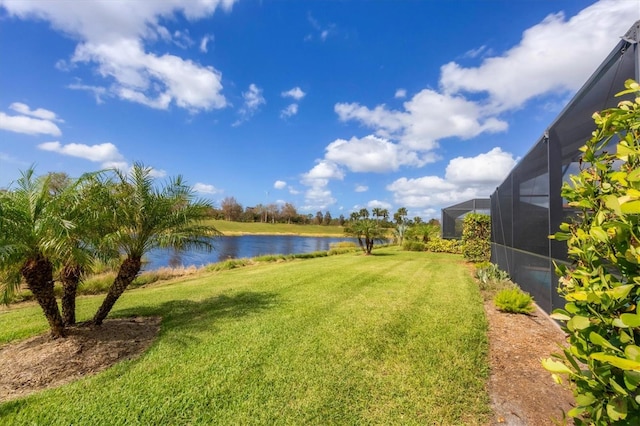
<point>329,105</point>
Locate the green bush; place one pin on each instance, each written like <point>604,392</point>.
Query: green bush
<point>414,246</point>
<point>476,237</point>
<point>602,285</point>
<point>439,245</point>
<point>514,300</point>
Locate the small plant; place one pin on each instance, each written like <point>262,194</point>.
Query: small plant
<point>514,300</point>
<point>439,245</point>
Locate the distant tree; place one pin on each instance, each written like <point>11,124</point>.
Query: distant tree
<point>363,213</point>
<point>319,218</point>
<point>377,212</point>
<point>147,217</point>
<point>385,214</point>
<point>327,218</point>
<point>289,212</point>
<point>231,209</point>
<point>400,217</point>
<point>272,211</point>
<point>341,220</point>
<point>417,220</point>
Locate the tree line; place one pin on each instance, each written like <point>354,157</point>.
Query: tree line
<point>56,229</point>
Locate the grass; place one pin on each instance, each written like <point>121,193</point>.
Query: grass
<point>394,338</point>
<point>238,228</point>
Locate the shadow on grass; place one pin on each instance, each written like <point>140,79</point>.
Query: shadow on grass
<point>202,315</point>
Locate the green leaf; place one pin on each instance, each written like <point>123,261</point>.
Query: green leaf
<point>617,388</point>
<point>632,352</point>
<point>617,409</point>
<point>599,234</point>
<point>559,315</point>
<point>634,176</point>
<point>586,399</point>
<point>555,366</point>
<point>631,379</point>
<point>597,339</point>
<point>578,323</point>
<point>631,320</point>
<point>622,363</point>
<point>611,201</point>
<point>631,207</point>
<point>621,292</point>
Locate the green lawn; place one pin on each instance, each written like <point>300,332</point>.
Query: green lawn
<point>394,338</point>
<point>228,227</point>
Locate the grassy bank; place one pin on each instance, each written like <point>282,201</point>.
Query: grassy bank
<point>394,338</point>
<point>239,228</point>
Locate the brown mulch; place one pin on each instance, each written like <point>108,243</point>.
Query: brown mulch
<point>40,362</point>
<point>522,392</point>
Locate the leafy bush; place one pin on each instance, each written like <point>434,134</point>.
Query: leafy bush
<point>414,246</point>
<point>439,245</point>
<point>514,300</point>
<point>476,237</point>
<point>602,287</point>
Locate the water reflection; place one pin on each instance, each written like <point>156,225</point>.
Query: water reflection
<point>239,247</point>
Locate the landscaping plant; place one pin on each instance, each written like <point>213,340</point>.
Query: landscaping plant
<point>514,300</point>
<point>476,237</point>
<point>602,286</point>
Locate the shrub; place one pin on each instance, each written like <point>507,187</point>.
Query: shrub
<point>414,246</point>
<point>476,237</point>
<point>514,300</point>
<point>228,264</point>
<point>439,245</point>
<point>602,286</point>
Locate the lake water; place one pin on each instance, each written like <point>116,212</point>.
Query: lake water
<point>240,247</point>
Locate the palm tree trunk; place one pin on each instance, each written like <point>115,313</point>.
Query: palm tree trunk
<point>126,274</point>
<point>70,279</point>
<point>38,273</point>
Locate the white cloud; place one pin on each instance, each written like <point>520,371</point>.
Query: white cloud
<point>379,204</point>
<point>361,188</point>
<point>112,38</point>
<point>318,196</point>
<point>372,154</point>
<point>324,170</point>
<point>41,113</point>
<point>204,188</point>
<point>289,111</point>
<point>252,100</point>
<point>100,153</point>
<point>401,93</point>
<point>555,56</point>
<point>204,43</point>
<point>295,93</point>
<point>29,125</point>
<point>465,178</point>
<point>490,167</point>
<point>98,92</point>
<point>280,184</point>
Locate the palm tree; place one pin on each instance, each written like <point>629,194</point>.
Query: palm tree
<point>84,205</point>
<point>367,229</point>
<point>146,217</point>
<point>377,212</point>
<point>32,237</point>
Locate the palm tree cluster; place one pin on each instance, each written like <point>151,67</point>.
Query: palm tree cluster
<point>365,229</point>
<point>55,229</point>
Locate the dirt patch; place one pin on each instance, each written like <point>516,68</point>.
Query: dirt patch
<point>522,392</point>
<point>39,362</point>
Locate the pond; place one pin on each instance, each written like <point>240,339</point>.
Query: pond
<point>244,246</point>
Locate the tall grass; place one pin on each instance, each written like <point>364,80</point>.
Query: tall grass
<point>393,338</point>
